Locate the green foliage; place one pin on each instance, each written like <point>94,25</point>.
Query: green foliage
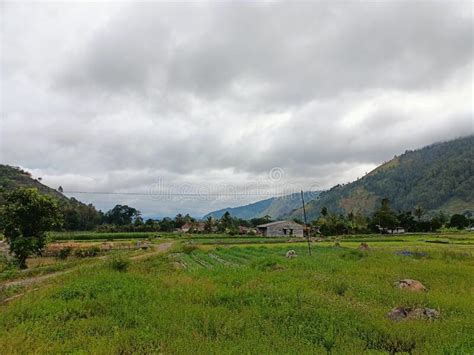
<point>188,248</point>
<point>119,263</point>
<point>458,221</point>
<point>64,253</point>
<point>87,253</point>
<point>385,216</point>
<point>121,215</point>
<point>226,222</point>
<point>26,217</point>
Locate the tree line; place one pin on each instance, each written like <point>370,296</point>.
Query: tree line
<point>385,219</point>
<point>27,215</point>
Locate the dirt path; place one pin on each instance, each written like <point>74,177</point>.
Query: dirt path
<point>158,249</point>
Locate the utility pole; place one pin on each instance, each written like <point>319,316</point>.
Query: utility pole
<point>305,230</point>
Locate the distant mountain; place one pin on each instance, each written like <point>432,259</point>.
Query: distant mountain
<point>273,207</point>
<point>439,177</point>
<point>77,215</point>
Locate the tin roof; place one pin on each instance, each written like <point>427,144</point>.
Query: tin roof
<point>278,222</point>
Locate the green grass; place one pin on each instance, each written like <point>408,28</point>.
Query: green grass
<point>92,236</point>
<point>251,299</point>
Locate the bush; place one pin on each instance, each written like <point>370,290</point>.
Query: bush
<point>119,263</point>
<point>64,253</point>
<point>188,248</point>
<point>6,264</point>
<point>89,252</point>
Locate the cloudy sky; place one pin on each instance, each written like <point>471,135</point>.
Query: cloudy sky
<point>251,98</point>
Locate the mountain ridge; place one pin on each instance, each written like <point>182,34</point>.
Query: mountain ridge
<point>274,207</point>
<point>437,177</point>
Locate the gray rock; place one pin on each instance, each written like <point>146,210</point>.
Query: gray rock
<point>401,313</point>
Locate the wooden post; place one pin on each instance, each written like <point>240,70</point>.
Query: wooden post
<point>305,230</point>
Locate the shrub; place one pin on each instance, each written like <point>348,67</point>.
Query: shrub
<point>64,253</point>
<point>188,248</point>
<point>89,252</point>
<point>385,341</point>
<point>7,265</point>
<point>119,263</point>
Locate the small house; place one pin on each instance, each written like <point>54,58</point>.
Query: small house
<point>196,227</point>
<point>281,229</point>
<point>396,230</point>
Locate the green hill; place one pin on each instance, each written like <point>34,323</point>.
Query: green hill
<point>274,207</point>
<point>77,215</point>
<point>12,178</point>
<point>439,177</point>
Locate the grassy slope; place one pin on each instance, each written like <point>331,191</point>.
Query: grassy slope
<point>251,300</point>
<point>437,177</point>
<point>12,178</point>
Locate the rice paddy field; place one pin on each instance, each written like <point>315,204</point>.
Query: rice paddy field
<point>201,297</point>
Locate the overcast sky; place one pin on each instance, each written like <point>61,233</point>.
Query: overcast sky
<point>256,98</point>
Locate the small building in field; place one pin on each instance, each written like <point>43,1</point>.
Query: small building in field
<point>396,230</point>
<point>196,227</point>
<point>281,229</point>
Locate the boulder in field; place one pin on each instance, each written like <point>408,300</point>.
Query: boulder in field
<point>411,285</point>
<point>397,314</point>
<point>423,313</point>
<point>291,254</point>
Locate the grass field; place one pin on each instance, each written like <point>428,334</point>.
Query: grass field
<point>248,298</point>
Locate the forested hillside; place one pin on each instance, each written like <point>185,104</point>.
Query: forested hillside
<point>77,215</point>
<point>274,207</point>
<point>439,177</point>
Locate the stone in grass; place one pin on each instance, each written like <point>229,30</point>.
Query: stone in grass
<point>411,285</point>
<point>291,254</point>
<point>401,313</point>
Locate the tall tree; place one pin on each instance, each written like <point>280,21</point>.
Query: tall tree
<point>226,221</point>
<point>385,216</point>
<point>419,212</point>
<point>458,221</point>
<point>122,215</point>
<point>209,224</point>
<point>26,217</point>
<point>324,211</point>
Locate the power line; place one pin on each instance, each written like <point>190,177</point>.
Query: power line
<point>217,194</point>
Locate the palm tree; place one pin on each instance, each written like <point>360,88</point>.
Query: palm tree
<point>419,212</point>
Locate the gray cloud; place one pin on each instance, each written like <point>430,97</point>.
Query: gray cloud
<point>117,96</point>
